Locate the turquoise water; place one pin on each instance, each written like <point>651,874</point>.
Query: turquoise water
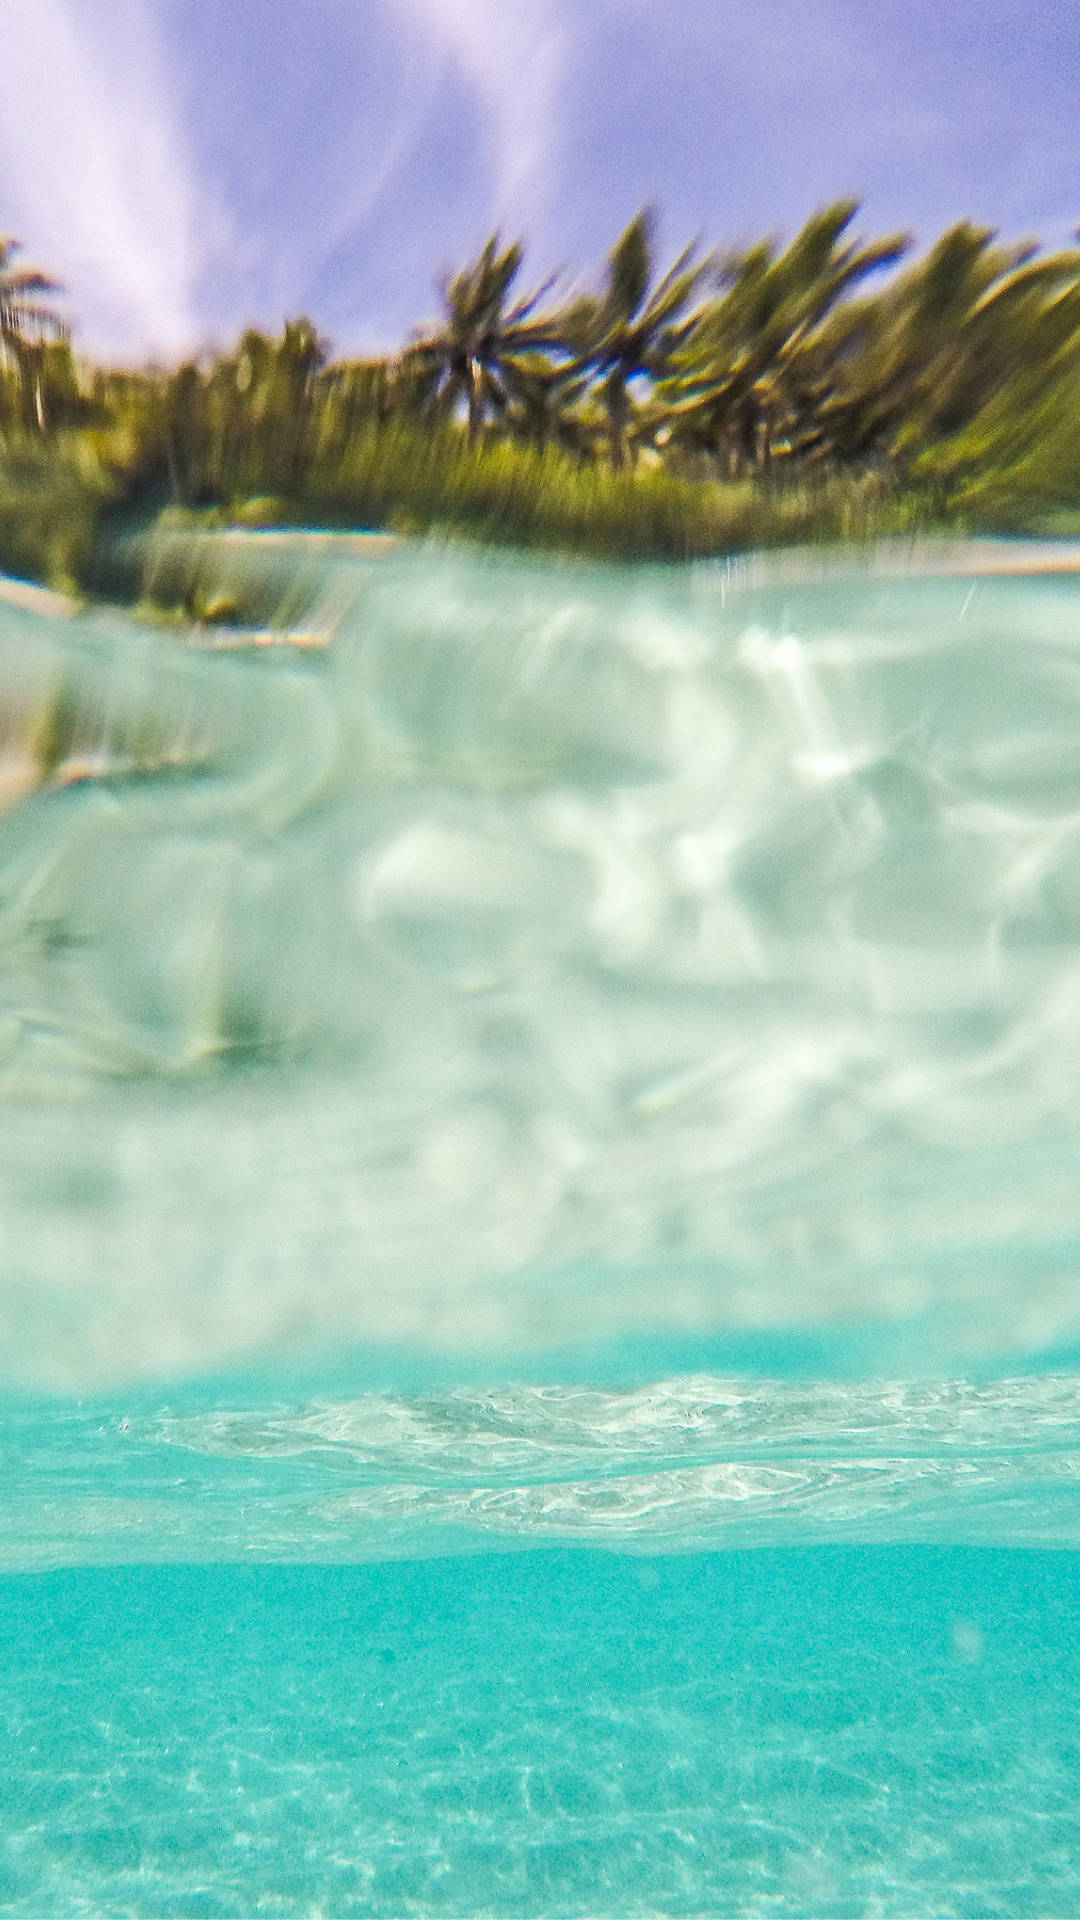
<point>539,1260</point>
<point>877,1731</point>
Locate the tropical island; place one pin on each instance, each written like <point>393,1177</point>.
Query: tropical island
<point>830,388</point>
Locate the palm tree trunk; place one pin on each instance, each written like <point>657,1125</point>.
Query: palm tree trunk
<point>618,413</point>
<point>475,419</point>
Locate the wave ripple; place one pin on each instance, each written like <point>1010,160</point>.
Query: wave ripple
<point>558,953</point>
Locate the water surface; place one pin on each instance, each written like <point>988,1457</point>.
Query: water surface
<point>539,1308</point>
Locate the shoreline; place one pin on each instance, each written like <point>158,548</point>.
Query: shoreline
<point>30,597</point>
<point>979,557</point>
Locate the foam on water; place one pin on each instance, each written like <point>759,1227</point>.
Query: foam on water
<point>675,1465</point>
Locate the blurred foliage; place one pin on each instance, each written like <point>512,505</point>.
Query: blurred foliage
<point>731,399</point>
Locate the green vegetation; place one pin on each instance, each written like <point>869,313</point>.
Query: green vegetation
<point>825,389</point>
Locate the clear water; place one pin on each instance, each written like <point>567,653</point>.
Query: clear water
<point>539,1261</point>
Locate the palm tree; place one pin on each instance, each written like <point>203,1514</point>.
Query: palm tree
<point>27,322</point>
<point>630,331</point>
<point>547,405</point>
<point>756,376</point>
<point>484,344</point>
<point>185,432</point>
<point>24,315</point>
<point>260,407</point>
<point>972,326</point>
<point>299,356</point>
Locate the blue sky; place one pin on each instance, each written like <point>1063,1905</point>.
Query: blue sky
<point>188,166</point>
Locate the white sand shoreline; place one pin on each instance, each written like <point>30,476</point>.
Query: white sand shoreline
<point>977,558</point>
<point>31,598</point>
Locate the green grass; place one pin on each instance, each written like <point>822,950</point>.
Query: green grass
<point>399,477</point>
<point>63,504</point>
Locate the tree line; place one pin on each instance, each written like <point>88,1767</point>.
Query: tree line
<point>951,378</point>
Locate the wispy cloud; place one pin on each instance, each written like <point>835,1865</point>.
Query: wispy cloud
<point>93,171</point>
<point>512,54</point>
